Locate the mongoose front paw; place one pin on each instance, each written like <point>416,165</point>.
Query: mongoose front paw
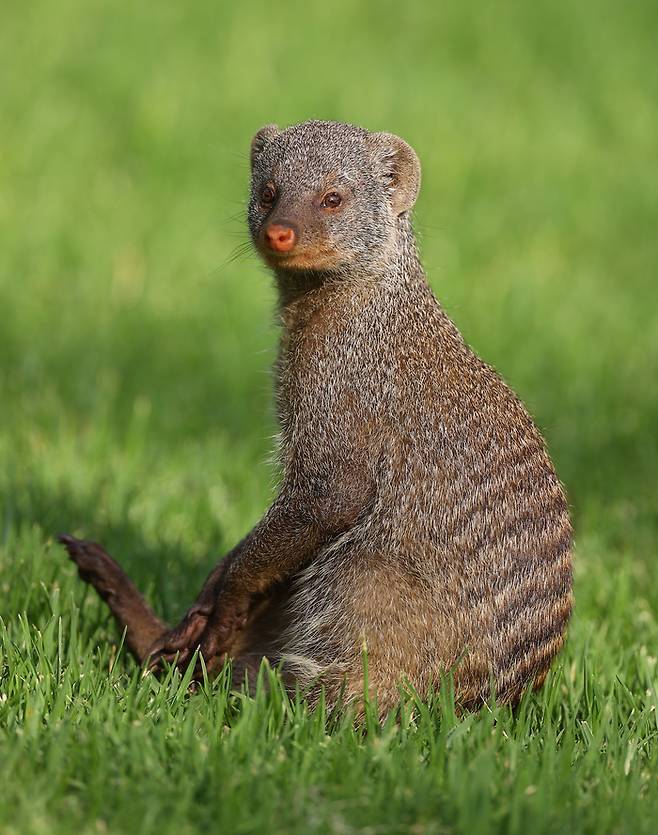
<point>220,634</point>
<point>180,642</point>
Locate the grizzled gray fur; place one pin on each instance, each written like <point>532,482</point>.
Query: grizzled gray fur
<point>418,513</point>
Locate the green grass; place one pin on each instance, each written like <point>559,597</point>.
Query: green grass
<point>135,396</point>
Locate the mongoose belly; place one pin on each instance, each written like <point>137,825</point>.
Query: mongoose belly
<point>492,615</point>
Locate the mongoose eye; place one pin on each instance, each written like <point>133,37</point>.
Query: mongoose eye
<point>267,196</point>
<point>332,200</point>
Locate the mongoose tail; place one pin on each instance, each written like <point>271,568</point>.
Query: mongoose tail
<point>131,611</point>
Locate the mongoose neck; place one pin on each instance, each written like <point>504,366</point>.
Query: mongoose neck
<point>405,266</point>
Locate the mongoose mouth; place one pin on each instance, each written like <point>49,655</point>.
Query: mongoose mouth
<point>301,259</point>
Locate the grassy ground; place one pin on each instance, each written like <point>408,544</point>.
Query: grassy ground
<point>135,400</point>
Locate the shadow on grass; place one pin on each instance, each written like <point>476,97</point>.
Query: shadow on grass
<point>194,371</point>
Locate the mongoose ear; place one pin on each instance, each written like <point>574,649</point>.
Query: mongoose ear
<point>260,140</point>
<point>398,166</point>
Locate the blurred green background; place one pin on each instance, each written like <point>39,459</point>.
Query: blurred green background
<point>136,336</point>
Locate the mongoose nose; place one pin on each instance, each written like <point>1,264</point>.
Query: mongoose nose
<point>280,238</point>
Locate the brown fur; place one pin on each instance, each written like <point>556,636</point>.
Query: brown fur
<point>418,513</point>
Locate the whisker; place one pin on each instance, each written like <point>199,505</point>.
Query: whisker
<point>241,252</point>
<point>238,216</point>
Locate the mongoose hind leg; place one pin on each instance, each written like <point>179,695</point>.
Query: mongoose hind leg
<point>130,610</point>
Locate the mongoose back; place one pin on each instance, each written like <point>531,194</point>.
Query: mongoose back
<point>418,513</point>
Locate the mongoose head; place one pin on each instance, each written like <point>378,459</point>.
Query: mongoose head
<point>328,197</point>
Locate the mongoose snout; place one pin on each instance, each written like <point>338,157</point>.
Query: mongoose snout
<point>280,237</point>
<point>418,512</point>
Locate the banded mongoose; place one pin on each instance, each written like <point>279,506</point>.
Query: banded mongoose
<point>418,512</point>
